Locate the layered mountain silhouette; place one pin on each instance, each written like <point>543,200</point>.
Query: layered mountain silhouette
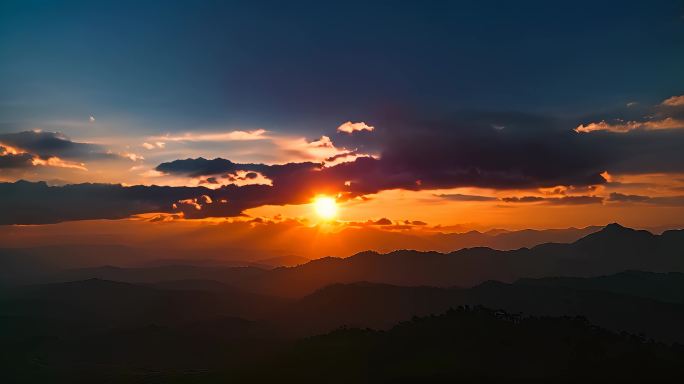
<point>610,250</point>
<point>381,306</point>
<point>32,263</point>
<point>101,304</point>
<point>560,312</point>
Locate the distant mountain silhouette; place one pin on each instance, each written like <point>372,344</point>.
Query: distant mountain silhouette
<point>611,250</point>
<point>229,275</point>
<point>508,240</point>
<point>284,261</point>
<point>32,263</point>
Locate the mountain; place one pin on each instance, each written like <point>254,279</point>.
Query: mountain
<point>284,261</point>
<point>103,304</point>
<point>379,306</point>
<point>667,287</point>
<point>228,275</point>
<point>474,346</point>
<point>19,265</point>
<point>153,332</point>
<point>611,250</point>
<point>38,251</point>
<point>508,240</point>
<point>461,345</point>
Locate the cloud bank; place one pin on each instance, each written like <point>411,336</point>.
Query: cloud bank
<point>462,150</point>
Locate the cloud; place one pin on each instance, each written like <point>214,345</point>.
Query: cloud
<point>242,177</point>
<point>461,197</point>
<point>524,199</point>
<point>154,145</point>
<point>204,167</point>
<point>26,202</point>
<point>132,156</point>
<point>14,158</point>
<point>658,200</point>
<point>311,150</point>
<point>257,144</point>
<point>53,144</point>
<point>533,152</point>
<point>637,117</point>
<point>626,126</point>
<point>382,221</point>
<point>565,200</point>
<point>674,101</point>
<point>350,127</point>
<point>257,134</point>
<point>55,161</point>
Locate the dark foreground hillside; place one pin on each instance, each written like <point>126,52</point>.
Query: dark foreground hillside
<point>462,345</point>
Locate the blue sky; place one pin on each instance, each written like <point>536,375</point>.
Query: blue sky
<point>159,66</point>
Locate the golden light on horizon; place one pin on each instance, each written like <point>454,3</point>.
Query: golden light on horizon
<point>325,207</point>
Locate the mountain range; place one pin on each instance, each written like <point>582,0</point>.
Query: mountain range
<point>611,298</point>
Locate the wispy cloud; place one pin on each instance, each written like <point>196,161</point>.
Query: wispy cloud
<point>59,163</point>
<point>565,200</point>
<point>462,197</point>
<point>626,126</point>
<point>257,134</point>
<point>641,199</point>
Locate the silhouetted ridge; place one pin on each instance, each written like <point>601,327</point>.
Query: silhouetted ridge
<point>614,233</point>
<point>616,227</point>
<point>476,345</point>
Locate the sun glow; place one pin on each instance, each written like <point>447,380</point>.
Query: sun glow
<point>326,207</point>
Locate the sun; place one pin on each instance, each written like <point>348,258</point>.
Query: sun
<point>326,207</point>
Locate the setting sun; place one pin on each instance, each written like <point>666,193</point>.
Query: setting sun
<point>325,207</point>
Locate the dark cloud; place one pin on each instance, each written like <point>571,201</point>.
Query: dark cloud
<point>382,221</point>
<point>209,180</point>
<point>461,151</point>
<point>531,152</point>
<point>53,144</point>
<point>524,199</point>
<point>565,200</point>
<point>15,161</point>
<point>204,167</point>
<point>465,151</point>
<point>25,202</point>
<point>461,197</point>
<point>659,200</point>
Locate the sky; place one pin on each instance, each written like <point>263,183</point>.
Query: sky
<point>427,114</point>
